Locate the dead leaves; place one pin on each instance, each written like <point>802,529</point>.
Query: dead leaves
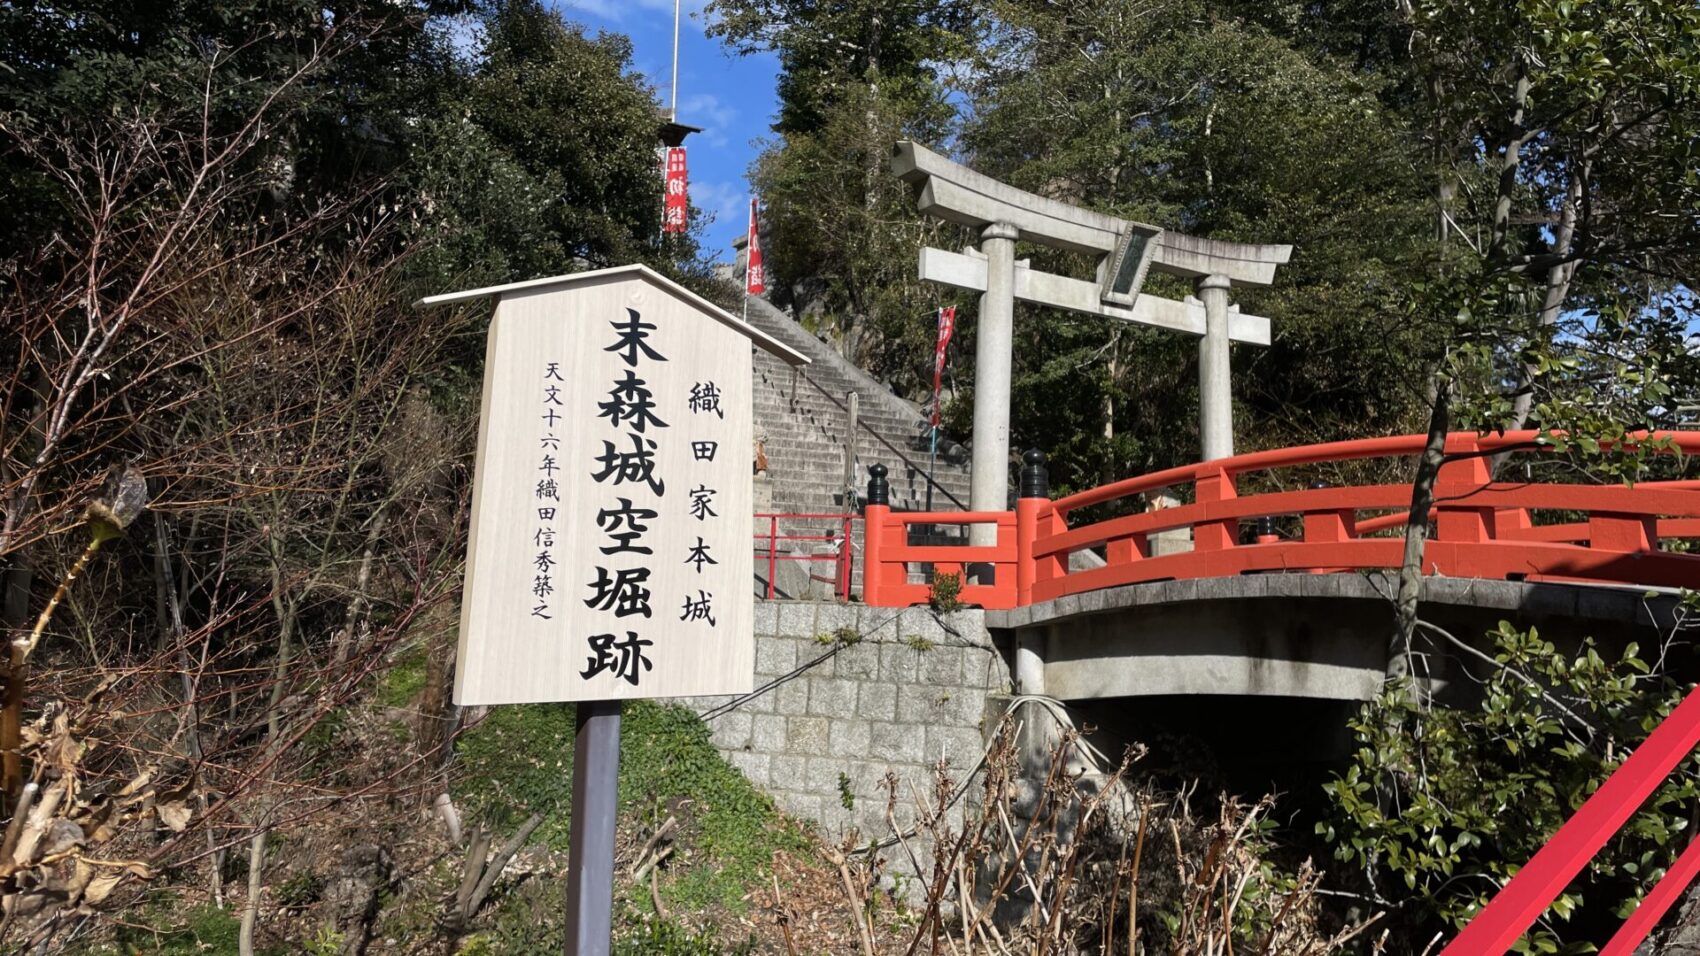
<point>175,814</point>
<point>56,852</point>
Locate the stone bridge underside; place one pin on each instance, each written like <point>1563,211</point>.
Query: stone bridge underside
<point>1299,635</point>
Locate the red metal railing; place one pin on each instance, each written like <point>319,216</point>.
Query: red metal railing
<point>1483,528</point>
<point>843,559</point>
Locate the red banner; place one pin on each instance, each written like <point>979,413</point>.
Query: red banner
<point>677,205</point>
<point>947,328</point>
<point>755,276</point>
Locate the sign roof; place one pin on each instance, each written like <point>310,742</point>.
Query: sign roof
<point>779,349</point>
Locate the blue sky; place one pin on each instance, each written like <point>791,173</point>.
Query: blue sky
<point>731,97</point>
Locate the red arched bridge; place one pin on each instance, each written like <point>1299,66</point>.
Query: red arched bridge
<point>1523,531</point>
<point>1610,534</point>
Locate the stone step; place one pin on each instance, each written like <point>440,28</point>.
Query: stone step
<point>802,420</point>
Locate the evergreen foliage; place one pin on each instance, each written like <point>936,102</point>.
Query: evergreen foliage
<point>1440,806</point>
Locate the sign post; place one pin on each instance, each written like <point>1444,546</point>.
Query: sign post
<point>609,555</point>
<point>590,858</point>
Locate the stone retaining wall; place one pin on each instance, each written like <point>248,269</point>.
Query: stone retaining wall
<point>896,692</point>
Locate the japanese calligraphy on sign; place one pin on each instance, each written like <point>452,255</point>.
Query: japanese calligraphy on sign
<point>610,551</point>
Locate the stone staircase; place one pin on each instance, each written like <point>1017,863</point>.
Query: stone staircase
<point>802,420</point>
<point>802,415</point>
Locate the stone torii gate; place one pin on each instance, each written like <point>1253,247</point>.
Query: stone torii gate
<point>1126,251</point>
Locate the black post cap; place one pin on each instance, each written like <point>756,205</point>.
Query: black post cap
<point>879,490</point>
<point>1035,478</point>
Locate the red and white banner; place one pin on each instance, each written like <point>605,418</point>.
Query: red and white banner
<point>947,328</point>
<point>677,203</point>
<point>755,276</point>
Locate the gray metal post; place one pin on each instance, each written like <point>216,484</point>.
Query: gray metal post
<point>1215,389</point>
<point>851,424</point>
<point>590,858</point>
<point>994,341</point>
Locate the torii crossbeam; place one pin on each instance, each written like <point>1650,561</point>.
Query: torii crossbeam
<point>1126,250</point>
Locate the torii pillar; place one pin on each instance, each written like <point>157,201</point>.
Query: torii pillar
<point>994,345</point>
<point>1126,250</point>
<point>1215,386</point>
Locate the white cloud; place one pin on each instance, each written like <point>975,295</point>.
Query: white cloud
<point>613,10</point>
<point>688,8</point>
<point>617,10</point>
<point>710,112</point>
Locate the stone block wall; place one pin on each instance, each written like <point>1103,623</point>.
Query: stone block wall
<point>913,688</point>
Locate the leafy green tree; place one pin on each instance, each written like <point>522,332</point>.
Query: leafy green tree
<point>1441,804</point>
<point>841,232</point>
<point>1201,122</point>
<point>893,48</point>
<point>841,243</point>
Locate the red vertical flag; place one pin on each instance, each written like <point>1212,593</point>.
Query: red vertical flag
<point>755,276</point>
<point>677,199</point>
<point>947,328</point>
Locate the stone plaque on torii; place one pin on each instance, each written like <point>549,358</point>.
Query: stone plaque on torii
<point>1126,251</point>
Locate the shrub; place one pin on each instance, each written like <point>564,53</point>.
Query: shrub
<point>946,593</point>
<point>1441,805</point>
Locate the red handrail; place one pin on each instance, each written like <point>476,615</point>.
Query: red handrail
<point>1323,453</point>
<point>843,560</point>
<point>1515,908</point>
<point>887,553</point>
<point>1483,528</point>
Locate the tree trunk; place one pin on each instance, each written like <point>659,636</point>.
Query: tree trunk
<point>285,610</point>
<point>1510,160</point>
<point>169,608</point>
<point>251,906</point>
<point>1107,472</point>
<point>1416,533</point>
<point>1552,302</point>
<point>357,607</point>
<point>14,625</point>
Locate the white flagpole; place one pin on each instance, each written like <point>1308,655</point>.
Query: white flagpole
<point>674,109</point>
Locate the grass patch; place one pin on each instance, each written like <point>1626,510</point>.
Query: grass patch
<point>404,681</point>
<point>166,928</point>
<point>520,759</point>
<point>531,920</point>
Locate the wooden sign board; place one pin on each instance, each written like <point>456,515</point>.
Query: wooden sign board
<point>610,550</point>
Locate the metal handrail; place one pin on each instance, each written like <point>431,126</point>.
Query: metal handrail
<point>844,559</point>
<point>882,440</point>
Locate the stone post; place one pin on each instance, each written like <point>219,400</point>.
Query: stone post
<point>1030,661</point>
<point>994,341</point>
<point>1215,390</point>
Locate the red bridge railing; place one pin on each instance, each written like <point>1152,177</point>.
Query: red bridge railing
<point>1482,528</point>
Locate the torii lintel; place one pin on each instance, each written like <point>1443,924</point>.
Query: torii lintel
<point>951,191</point>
